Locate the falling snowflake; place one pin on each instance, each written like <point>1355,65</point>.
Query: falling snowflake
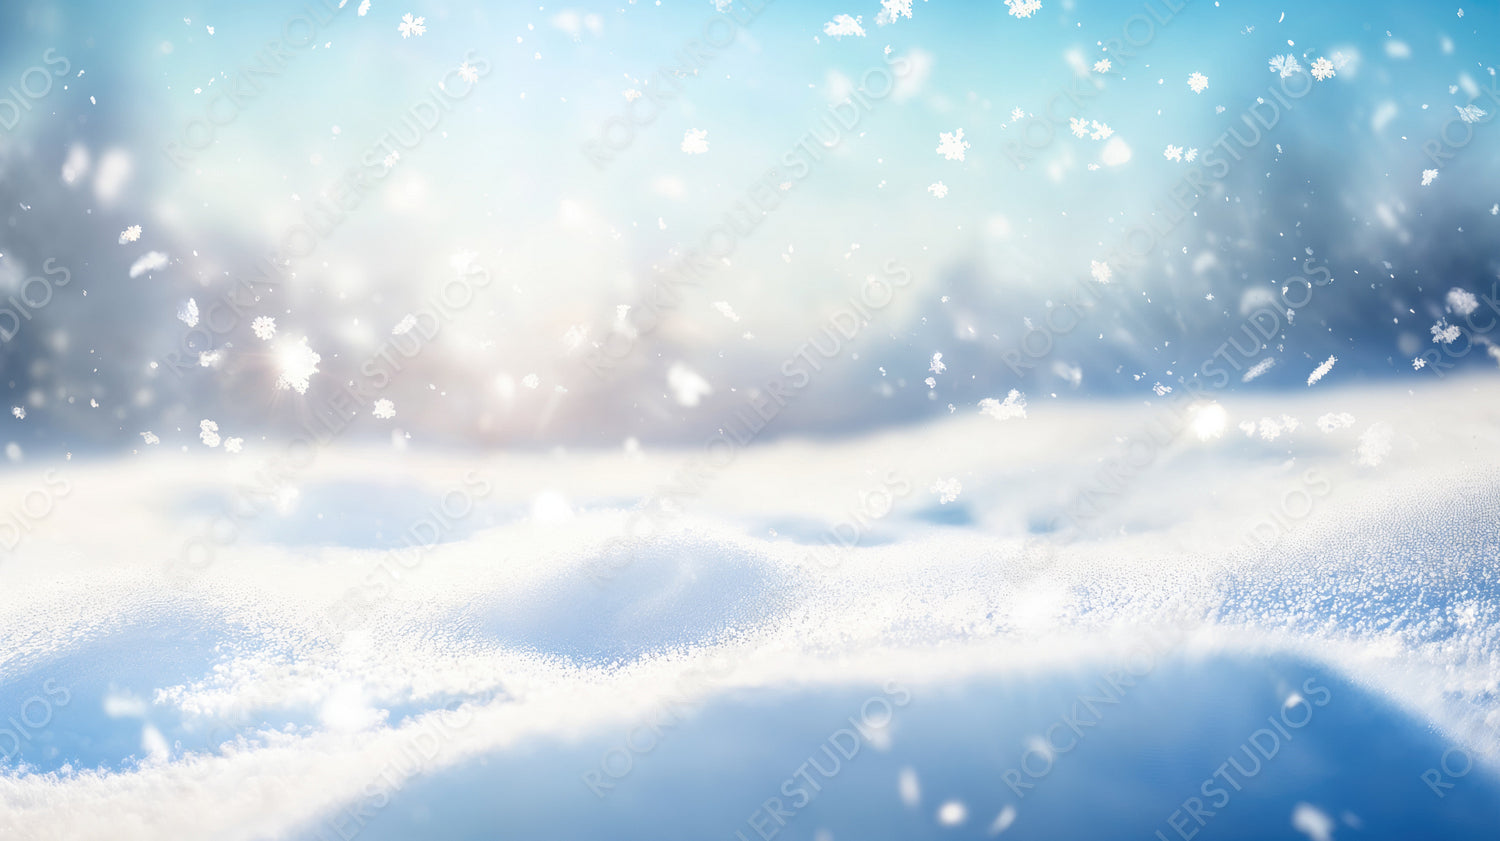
<point>1286,65</point>
<point>1462,301</point>
<point>1429,176</point>
<point>149,262</point>
<point>1079,126</point>
<point>688,386</point>
<point>187,312</point>
<point>842,25</point>
<point>364,8</point>
<point>1259,368</point>
<point>384,409</point>
<point>1197,81</point>
<point>947,490</point>
<point>410,26</point>
<point>937,366</point>
<point>19,412</point>
<point>1470,113</point>
<point>1418,363</point>
<point>1332,422</point>
<point>208,432</point>
<point>1322,69</point>
<point>1100,271</point>
<point>893,10</point>
<point>1272,428</point>
<point>1375,445</point>
<point>298,363</point>
<point>695,141</point>
<point>1024,8</point>
<point>210,358</point>
<point>938,189</point>
<point>1101,131</point>
<point>391,159</point>
<point>1319,372</point>
<point>726,310</point>
<point>1190,155</point>
<point>531,381</point>
<point>1013,407</point>
<point>469,73</point>
<point>264,327</point>
<point>1445,332</point>
<point>130,234</point>
<point>1173,153</point>
<point>233,445</point>
<point>405,325</point>
<point>952,145</point>
<point>1017,115</point>
<point>150,437</point>
<point>1102,66</point>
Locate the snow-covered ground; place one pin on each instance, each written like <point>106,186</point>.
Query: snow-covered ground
<point>393,642</point>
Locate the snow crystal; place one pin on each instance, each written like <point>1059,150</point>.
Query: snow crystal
<point>1470,113</point>
<point>1312,822</point>
<point>1286,65</point>
<point>208,432</point>
<point>1024,8</point>
<point>1445,332</point>
<point>187,312</point>
<point>952,813</point>
<point>384,409</point>
<point>1375,445</point>
<point>688,386</point>
<point>1333,422</point>
<point>298,363</point>
<point>1259,368</point>
<point>892,11</point>
<point>1013,407</point>
<point>1322,370</point>
<point>951,145</point>
<point>264,327</point>
<point>149,262</point>
<point>410,26</point>
<point>695,141</point>
<point>1462,301</point>
<point>842,25</point>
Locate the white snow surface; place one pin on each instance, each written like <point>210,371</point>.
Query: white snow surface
<point>548,627</point>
